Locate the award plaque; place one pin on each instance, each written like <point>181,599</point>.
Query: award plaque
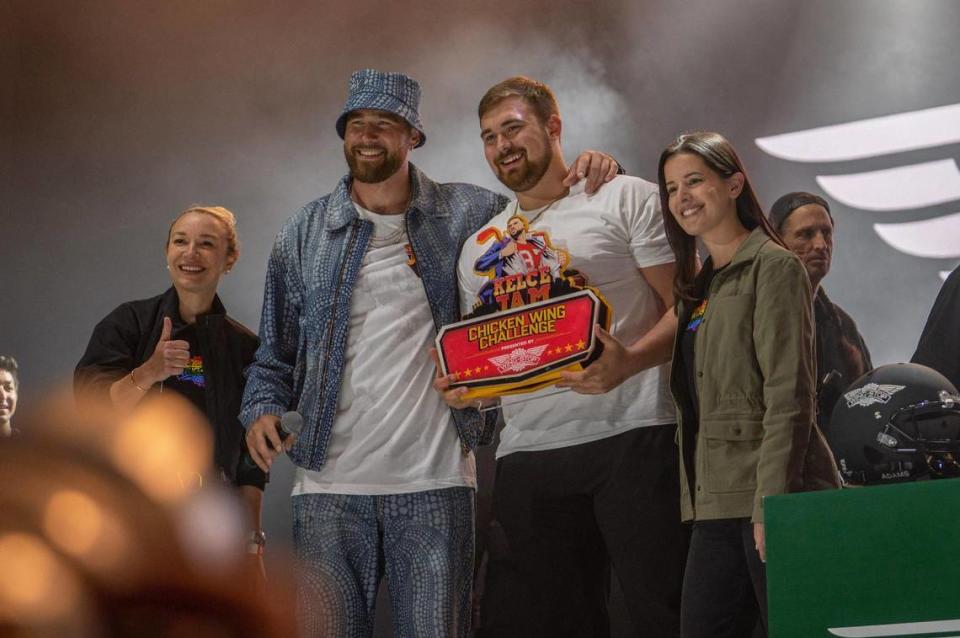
<point>533,316</point>
<point>524,348</point>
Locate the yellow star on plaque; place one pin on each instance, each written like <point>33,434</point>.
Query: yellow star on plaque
<point>581,345</point>
<point>476,370</point>
<point>466,372</point>
<point>568,348</point>
<point>559,350</point>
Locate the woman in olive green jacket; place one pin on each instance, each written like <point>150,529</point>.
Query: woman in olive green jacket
<point>743,378</point>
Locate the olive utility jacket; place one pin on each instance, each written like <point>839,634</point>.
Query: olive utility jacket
<point>755,376</point>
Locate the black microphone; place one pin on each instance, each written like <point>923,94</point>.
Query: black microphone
<point>290,423</point>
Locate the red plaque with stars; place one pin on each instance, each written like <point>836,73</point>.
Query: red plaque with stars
<point>525,348</point>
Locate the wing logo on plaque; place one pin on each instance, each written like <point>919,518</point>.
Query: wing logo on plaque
<point>519,359</point>
<point>533,317</point>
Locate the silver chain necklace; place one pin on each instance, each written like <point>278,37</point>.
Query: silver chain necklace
<point>393,236</point>
<point>517,211</point>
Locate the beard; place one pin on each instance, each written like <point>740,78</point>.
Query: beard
<point>372,172</point>
<point>529,173</point>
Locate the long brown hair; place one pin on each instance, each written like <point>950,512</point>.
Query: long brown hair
<point>718,154</point>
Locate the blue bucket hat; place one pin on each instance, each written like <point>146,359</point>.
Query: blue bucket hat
<point>393,92</point>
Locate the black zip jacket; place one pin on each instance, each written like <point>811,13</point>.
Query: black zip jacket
<point>127,337</point>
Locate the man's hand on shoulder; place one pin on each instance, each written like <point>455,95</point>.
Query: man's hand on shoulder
<point>594,166</point>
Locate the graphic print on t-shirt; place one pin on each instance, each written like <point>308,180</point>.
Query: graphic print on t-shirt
<point>531,318</point>
<point>193,372</point>
<point>523,267</point>
<point>610,237</point>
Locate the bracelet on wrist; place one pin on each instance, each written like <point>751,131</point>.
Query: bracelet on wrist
<point>256,542</point>
<point>133,380</point>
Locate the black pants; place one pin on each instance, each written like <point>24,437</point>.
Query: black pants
<point>570,514</point>
<point>725,585</point>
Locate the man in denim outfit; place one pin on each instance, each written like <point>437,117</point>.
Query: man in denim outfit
<point>357,284</point>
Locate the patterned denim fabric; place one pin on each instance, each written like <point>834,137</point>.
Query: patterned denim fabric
<point>306,304</point>
<point>393,92</point>
<point>422,540</point>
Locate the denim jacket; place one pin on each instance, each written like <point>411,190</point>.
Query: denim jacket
<point>306,305</point>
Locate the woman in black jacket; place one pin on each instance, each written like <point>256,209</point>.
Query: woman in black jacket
<point>183,340</point>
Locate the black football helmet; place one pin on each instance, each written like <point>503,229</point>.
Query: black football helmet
<point>897,423</point>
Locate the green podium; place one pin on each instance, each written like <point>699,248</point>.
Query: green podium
<point>864,562</point>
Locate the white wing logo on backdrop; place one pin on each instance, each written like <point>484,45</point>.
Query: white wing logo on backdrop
<point>903,187</point>
<point>928,628</point>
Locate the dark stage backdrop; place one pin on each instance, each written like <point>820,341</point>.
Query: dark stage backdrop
<point>118,114</point>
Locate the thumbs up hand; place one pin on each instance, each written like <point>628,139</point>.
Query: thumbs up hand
<point>168,358</point>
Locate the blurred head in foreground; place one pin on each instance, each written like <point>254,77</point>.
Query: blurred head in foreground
<point>104,536</point>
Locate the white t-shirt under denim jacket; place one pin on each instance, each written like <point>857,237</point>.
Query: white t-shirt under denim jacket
<point>393,433</point>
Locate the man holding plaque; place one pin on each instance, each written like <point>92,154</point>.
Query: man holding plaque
<point>586,479</point>
<point>356,283</point>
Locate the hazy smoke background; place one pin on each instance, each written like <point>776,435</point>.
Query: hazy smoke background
<point>118,114</point>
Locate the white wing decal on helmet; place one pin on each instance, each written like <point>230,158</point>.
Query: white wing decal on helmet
<point>872,393</point>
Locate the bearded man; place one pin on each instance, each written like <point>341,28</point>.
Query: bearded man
<point>357,284</point>
<point>586,480</point>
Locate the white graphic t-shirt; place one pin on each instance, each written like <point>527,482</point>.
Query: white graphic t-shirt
<point>393,433</point>
<point>601,240</point>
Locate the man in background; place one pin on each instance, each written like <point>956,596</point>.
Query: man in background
<point>939,346</point>
<point>806,225</point>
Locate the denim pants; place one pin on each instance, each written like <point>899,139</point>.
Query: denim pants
<point>421,541</point>
<point>725,584</point>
